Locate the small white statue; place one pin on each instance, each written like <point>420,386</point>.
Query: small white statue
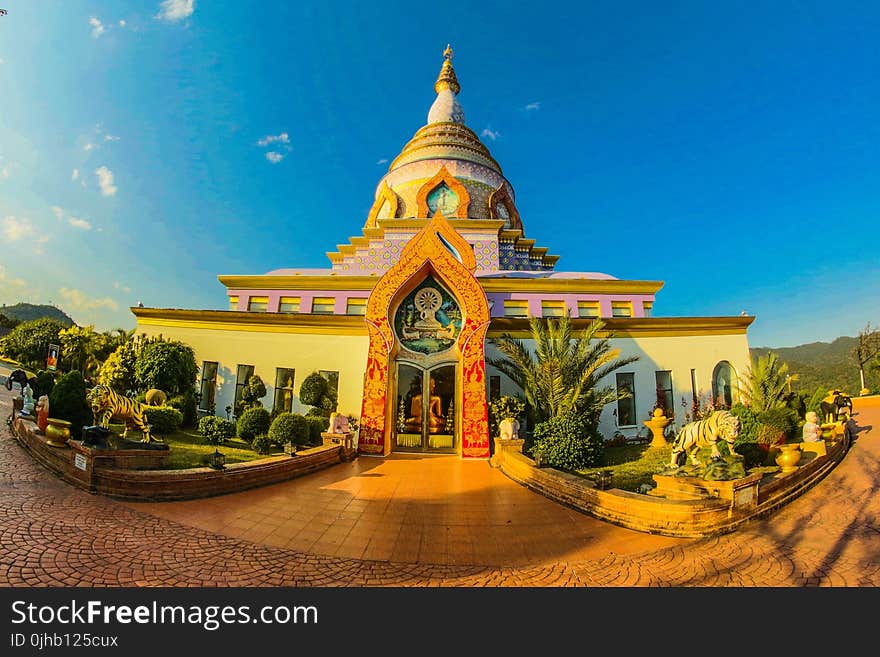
<point>509,428</point>
<point>27,396</point>
<point>339,423</point>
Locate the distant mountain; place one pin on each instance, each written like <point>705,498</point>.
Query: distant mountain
<point>824,365</point>
<point>25,312</point>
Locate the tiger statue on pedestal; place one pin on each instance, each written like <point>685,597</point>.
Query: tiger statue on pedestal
<point>107,404</point>
<point>704,433</point>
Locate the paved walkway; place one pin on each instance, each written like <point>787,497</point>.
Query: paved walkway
<point>420,521</point>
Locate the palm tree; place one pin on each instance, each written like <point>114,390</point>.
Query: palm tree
<point>765,384</point>
<point>563,371</point>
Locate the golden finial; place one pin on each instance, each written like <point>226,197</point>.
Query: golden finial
<point>447,79</point>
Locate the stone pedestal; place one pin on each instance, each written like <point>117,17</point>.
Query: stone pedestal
<point>344,439</point>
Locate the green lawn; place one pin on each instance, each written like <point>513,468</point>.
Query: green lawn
<point>189,449</point>
<point>632,465</point>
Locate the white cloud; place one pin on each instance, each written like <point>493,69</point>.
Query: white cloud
<point>105,181</point>
<point>76,222</point>
<point>109,137</point>
<point>274,157</point>
<point>284,138</point>
<point>533,106</point>
<point>14,229</point>
<point>120,286</point>
<point>38,244</point>
<point>121,23</point>
<point>79,300</point>
<point>89,146</point>
<point>4,172</point>
<point>176,10</point>
<point>97,27</point>
<point>6,282</point>
<point>491,134</point>
<point>384,160</point>
<point>2,61</point>
<point>74,174</point>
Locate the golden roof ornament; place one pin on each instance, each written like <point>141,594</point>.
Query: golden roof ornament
<point>447,79</point>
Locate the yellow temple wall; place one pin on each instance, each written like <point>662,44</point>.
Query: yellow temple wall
<point>676,353</point>
<point>266,351</point>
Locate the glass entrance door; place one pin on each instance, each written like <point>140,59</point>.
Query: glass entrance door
<point>425,419</point>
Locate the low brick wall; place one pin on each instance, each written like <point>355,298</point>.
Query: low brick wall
<point>686,518</point>
<point>102,473</point>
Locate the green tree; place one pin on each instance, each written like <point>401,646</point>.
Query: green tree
<point>169,366</point>
<point>766,384</point>
<point>67,401</point>
<point>254,390</point>
<point>78,348</point>
<point>118,369</point>
<point>28,343</point>
<point>563,370</point>
<point>317,392</point>
<point>867,349</point>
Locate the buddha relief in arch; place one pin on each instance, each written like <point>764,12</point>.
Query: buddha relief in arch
<point>428,320</point>
<point>443,199</point>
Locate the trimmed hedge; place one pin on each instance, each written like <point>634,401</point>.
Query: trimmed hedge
<point>317,426</point>
<point>290,427</point>
<point>569,442</point>
<point>163,419</point>
<point>216,430</point>
<point>263,444</point>
<point>67,401</point>
<point>252,423</point>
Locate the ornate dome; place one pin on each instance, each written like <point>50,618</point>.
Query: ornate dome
<point>450,156</point>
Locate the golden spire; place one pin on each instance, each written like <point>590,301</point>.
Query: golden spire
<point>447,79</point>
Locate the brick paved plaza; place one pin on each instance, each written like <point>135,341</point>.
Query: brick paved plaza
<point>421,521</point>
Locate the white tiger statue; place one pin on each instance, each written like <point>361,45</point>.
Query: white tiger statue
<point>704,433</point>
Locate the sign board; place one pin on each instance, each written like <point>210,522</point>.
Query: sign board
<point>52,358</point>
<point>79,461</point>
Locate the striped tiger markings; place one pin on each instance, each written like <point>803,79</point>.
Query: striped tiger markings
<point>108,404</point>
<point>722,425</point>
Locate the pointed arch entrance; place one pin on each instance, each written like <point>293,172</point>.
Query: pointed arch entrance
<point>424,386</point>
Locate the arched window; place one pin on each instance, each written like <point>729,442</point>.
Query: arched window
<point>723,378</point>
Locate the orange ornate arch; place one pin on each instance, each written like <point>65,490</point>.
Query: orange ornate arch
<point>502,196</point>
<point>443,176</point>
<point>385,194</point>
<point>427,253</point>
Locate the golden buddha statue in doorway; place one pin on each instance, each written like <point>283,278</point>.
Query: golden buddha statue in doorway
<point>436,421</point>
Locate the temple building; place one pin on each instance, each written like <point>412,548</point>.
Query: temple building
<point>401,321</point>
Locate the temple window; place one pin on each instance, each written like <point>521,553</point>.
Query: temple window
<point>516,308</point>
<point>646,307</point>
<point>443,199</point>
<point>242,374</point>
<point>663,379</point>
<point>356,306</point>
<point>288,305</point>
<point>258,304</point>
<point>284,377</point>
<point>233,303</point>
<point>552,308</point>
<point>208,385</point>
<point>626,403</point>
<point>588,309</point>
<point>323,305</point>
<point>621,309</point>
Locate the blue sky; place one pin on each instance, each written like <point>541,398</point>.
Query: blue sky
<point>728,149</point>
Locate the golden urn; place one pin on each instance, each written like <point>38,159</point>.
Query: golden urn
<point>657,424</point>
<point>57,432</point>
<point>789,456</point>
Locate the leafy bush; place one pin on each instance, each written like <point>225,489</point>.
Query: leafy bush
<point>216,430</point>
<point>503,408</point>
<point>263,444</point>
<point>568,441</point>
<point>815,402</point>
<point>782,418</point>
<point>316,391</point>
<point>252,423</point>
<point>317,426</point>
<point>67,401</point>
<point>768,435</point>
<point>748,432</point>
<point>186,404</point>
<point>43,384</point>
<point>163,419</point>
<point>290,427</point>
<point>167,365</point>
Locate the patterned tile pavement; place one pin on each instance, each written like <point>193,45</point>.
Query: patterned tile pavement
<point>429,521</point>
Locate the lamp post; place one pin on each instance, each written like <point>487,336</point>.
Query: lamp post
<point>217,460</point>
